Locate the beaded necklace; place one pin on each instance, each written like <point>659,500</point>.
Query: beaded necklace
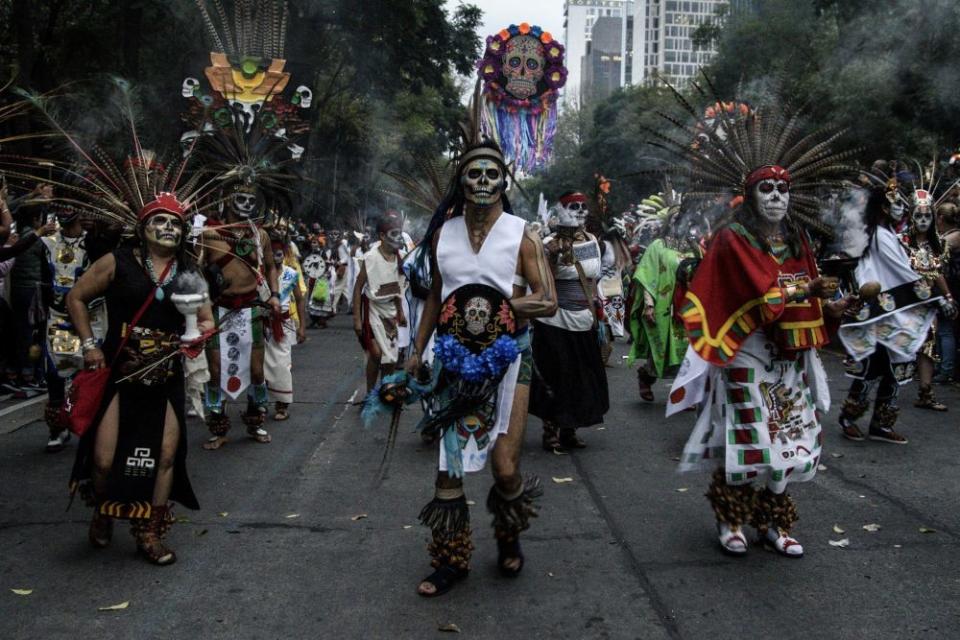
<point>171,272</point>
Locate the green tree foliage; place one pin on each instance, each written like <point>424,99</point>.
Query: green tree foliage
<point>383,72</point>
<point>885,70</point>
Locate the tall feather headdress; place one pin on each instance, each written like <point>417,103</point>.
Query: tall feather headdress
<point>720,159</point>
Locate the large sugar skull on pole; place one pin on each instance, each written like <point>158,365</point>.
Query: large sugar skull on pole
<point>522,72</point>
<point>523,63</point>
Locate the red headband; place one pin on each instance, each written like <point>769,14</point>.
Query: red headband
<point>769,172</point>
<point>573,197</point>
<point>164,202</point>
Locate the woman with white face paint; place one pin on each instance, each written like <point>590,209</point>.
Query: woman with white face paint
<point>885,335</point>
<point>926,257</point>
<point>754,319</point>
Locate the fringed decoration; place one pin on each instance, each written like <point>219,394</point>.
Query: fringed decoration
<point>885,415</point>
<point>733,505</point>
<point>853,408</point>
<point>449,516</point>
<point>774,510</point>
<point>525,137</point>
<point>511,516</point>
<point>452,549</point>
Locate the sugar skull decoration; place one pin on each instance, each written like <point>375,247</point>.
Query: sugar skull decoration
<point>522,71</point>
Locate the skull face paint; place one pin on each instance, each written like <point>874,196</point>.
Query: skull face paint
<point>897,211</point>
<point>243,202</point>
<point>482,181</point>
<point>523,62</point>
<point>394,239</point>
<point>478,312</point>
<point>772,199</point>
<point>163,230</point>
<point>572,214</point>
<point>922,219</point>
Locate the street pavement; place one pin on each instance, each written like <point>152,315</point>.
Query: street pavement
<point>296,540</point>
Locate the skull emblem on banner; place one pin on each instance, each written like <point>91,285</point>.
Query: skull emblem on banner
<point>523,63</point>
<point>477,313</point>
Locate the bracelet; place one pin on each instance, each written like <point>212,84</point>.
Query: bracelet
<point>275,294</point>
<point>88,345</point>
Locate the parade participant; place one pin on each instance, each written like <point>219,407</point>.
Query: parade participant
<point>67,260</point>
<point>884,337</point>
<point>569,387</point>
<point>377,298</point>
<point>316,270</point>
<point>483,263</point>
<point>238,265</point>
<point>752,366</point>
<point>339,253</point>
<point>283,333</point>
<point>948,223</point>
<point>659,339</point>
<point>925,249</point>
<point>131,461</point>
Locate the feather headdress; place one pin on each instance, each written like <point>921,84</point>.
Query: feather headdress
<point>121,193</point>
<point>722,159</point>
<point>258,28</point>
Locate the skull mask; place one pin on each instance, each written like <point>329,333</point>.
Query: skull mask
<point>523,63</point>
<point>772,198</point>
<point>478,314</point>
<point>482,181</point>
<point>243,202</point>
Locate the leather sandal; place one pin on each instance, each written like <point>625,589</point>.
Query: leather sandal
<point>732,540</point>
<point>443,579</point>
<point>783,544</point>
<point>101,530</point>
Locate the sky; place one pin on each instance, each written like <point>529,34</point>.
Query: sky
<point>498,14</point>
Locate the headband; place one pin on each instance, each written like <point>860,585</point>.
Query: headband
<point>768,172</point>
<point>572,197</point>
<point>165,202</point>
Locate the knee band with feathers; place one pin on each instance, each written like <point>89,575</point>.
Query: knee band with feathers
<point>733,505</point>
<point>511,515</point>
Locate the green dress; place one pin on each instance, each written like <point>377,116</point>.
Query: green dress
<point>665,342</point>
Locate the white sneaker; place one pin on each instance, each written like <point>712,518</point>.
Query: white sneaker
<point>732,540</point>
<point>57,442</point>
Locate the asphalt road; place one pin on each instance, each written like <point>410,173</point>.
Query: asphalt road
<point>295,541</point>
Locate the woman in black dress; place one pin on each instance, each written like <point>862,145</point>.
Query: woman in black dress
<point>131,462</point>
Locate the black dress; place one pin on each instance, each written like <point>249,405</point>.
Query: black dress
<point>142,399</point>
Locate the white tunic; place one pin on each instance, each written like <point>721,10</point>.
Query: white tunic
<point>495,265</point>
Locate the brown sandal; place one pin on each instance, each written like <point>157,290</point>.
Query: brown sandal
<point>570,440</point>
<point>926,400</point>
<point>644,380</point>
<point>282,411</point>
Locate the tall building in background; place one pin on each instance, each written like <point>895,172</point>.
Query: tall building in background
<point>655,41</point>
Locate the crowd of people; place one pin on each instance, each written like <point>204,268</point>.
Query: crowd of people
<point>141,293</point>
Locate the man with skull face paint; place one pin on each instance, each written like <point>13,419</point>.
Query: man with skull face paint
<point>241,271</point>
<point>569,388</point>
<point>476,243</point>
<point>884,337</point>
<point>377,294</point>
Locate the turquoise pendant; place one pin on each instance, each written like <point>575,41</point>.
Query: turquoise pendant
<point>160,294</point>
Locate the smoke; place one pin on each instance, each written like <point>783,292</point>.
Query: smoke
<point>189,282</point>
<point>843,210</point>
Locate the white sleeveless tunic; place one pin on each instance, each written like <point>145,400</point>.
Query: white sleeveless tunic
<point>495,265</point>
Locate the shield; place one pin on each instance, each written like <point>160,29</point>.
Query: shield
<point>476,315</point>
